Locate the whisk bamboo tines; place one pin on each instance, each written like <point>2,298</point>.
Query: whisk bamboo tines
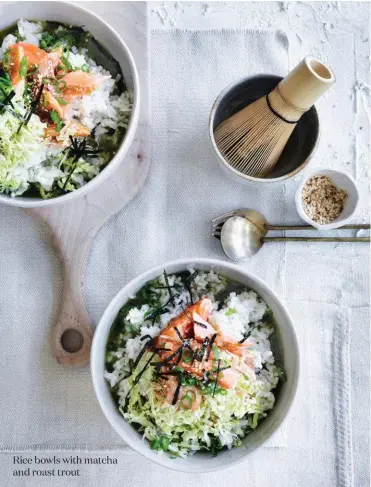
<point>253,139</point>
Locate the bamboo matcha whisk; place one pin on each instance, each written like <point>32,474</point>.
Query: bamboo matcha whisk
<point>253,139</point>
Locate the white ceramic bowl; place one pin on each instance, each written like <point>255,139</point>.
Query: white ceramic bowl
<point>200,462</point>
<point>342,180</point>
<point>70,14</point>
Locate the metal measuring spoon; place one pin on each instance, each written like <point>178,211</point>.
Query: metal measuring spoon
<point>242,233</point>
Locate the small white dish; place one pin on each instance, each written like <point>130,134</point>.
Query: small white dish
<point>342,180</point>
<point>289,349</point>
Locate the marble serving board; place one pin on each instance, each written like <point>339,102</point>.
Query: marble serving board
<point>75,224</point>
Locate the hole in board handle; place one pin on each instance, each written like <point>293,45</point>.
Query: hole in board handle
<point>72,340</point>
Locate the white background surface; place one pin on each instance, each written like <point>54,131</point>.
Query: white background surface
<point>316,28</point>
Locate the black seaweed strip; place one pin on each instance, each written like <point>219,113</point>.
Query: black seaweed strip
<point>178,333</point>
<point>166,287</point>
<point>169,358</point>
<point>199,324</point>
<point>176,394</point>
<point>203,349</point>
<point>145,337</point>
<point>211,345</point>
<point>137,379</point>
<point>187,284</point>
<point>33,108</point>
<point>12,112</point>
<point>169,288</point>
<point>179,357</point>
<point>140,355</point>
<point>157,311</point>
<point>216,378</point>
<point>221,368</point>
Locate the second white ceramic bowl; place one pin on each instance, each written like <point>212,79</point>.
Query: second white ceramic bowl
<point>70,14</point>
<point>342,180</point>
<point>289,350</point>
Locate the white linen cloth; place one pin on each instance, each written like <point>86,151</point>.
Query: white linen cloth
<point>325,287</point>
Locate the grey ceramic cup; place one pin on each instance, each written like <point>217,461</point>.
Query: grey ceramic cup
<point>301,145</point>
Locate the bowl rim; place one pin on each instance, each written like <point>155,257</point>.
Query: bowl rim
<point>214,108</point>
<point>126,142</point>
<point>106,322</point>
<point>299,206</point>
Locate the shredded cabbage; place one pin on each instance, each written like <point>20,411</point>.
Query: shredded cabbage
<point>19,151</point>
<point>227,418</point>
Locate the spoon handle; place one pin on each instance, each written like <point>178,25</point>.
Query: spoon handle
<point>309,227</point>
<point>315,239</point>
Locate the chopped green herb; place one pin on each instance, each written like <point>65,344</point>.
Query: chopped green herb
<point>54,116</point>
<point>179,369</point>
<point>61,101</point>
<point>58,84</point>
<point>23,67</point>
<point>188,399</point>
<point>66,37</point>
<point>161,443</point>
<point>230,311</point>
<point>191,381</point>
<point>32,70</point>
<point>85,68</point>
<point>187,356</point>
<point>6,60</point>
<point>155,445</point>
<point>5,82</point>
<point>281,373</point>
<point>216,352</point>
<point>67,64</point>
<point>46,40</point>
<point>61,71</point>
<point>268,316</point>
<point>59,126</point>
<point>216,445</point>
<point>207,390</point>
<point>164,443</point>
<point>62,85</point>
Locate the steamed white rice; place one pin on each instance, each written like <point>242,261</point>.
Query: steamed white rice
<point>249,307</point>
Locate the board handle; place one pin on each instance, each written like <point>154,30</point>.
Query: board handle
<point>72,333</point>
<point>72,230</point>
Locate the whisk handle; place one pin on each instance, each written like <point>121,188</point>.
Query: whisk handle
<point>309,80</point>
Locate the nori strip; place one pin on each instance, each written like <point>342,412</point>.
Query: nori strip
<point>176,394</point>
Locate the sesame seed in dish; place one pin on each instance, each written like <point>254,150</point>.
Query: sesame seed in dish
<point>322,200</point>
